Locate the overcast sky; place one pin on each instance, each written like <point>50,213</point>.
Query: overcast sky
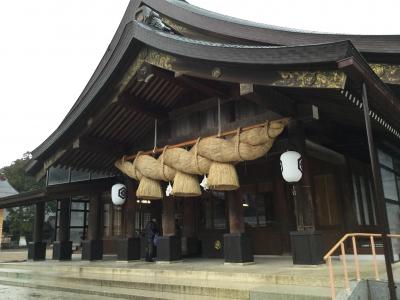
<point>49,49</point>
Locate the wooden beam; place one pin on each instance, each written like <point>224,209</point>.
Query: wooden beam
<point>52,160</point>
<point>142,106</point>
<point>247,91</point>
<point>95,145</point>
<point>268,98</point>
<point>187,81</point>
<point>199,85</point>
<point>198,106</point>
<point>334,79</point>
<point>265,97</point>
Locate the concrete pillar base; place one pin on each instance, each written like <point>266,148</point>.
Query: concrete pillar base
<point>92,250</point>
<point>62,250</point>
<point>237,248</point>
<point>169,248</point>
<point>307,247</point>
<point>128,249</point>
<point>37,251</point>
<point>190,246</point>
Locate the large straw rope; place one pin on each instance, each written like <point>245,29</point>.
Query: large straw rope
<point>246,145</point>
<point>128,168</point>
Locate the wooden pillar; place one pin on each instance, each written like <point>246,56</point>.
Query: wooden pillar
<point>189,218</point>
<point>1,225</point>
<point>304,206</point>
<point>39,222</point>
<point>168,218</point>
<point>284,212</point>
<point>128,249</point>
<point>237,244</point>
<point>64,217</point>
<point>37,249</point>
<point>190,242</point>
<point>236,218</point>
<point>95,218</point>
<point>169,245</point>
<point>62,249</point>
<point>129,209</point>
<point>306,241</point>
<point>93,246</point>
<point>379,195</point>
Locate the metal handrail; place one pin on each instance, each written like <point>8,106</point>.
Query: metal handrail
<point>340,243</point>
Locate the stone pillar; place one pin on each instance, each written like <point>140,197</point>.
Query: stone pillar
<point>237,244</point>
<point>62,248</point>
<point>129,247</point>
<point>37,249</point>
<point>92,248</point>
<point>169,245</point>
<point>306,241</point>
<point>190,243</point>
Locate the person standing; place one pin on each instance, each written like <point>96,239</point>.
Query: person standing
<point>151,233</point>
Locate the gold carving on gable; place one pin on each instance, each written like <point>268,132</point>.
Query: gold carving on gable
<point>318,79</point>
<point>160,59</point>
<point>387,73</point>
<point>151,56</point>
<point>130,73</point>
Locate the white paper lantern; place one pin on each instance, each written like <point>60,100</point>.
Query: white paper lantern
<point>291,166</point>
<point>118,194</point>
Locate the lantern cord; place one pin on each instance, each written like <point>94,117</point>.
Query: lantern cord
<point>219,117</point>
<point>155,136</point>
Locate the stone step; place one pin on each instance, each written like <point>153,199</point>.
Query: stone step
<point>290,293</point>
<point>104,291</point>
<point>156,273</point>
<point>119,285</point>
<point>267,291</point>
<point>212,289</point>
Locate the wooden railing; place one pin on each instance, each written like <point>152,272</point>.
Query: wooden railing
<point>341,244</point>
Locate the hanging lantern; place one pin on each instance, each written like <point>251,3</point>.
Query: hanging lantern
<point>118,194</point>
<point>291,166</point>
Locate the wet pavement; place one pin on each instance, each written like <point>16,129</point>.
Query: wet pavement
<point>22,293</point>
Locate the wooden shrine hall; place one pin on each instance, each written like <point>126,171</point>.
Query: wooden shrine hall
<point>191,111</point>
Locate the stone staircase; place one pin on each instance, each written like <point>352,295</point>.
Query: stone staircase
<point>160,283</point>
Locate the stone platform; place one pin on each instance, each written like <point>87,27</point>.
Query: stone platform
<point>271,277</point>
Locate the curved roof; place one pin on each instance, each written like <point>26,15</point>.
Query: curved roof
<point>261,33</point>
<point>228,53</point>
<point>6,189</point>
<point>131,36</point>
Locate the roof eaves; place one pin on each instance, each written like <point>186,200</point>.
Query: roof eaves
<point>238,28</point>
